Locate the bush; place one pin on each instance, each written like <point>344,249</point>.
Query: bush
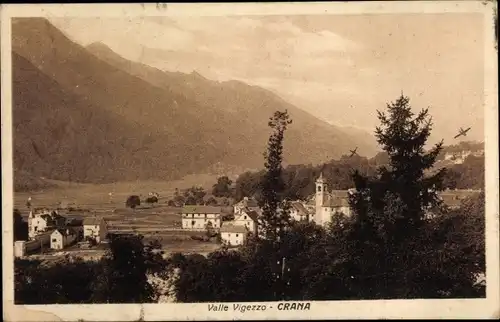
<point>133,201</point>
<point>152,200</point>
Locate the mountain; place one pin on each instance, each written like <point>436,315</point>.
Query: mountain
<point>252,102</point>
<point>61,135</point>
<point>88,115</point>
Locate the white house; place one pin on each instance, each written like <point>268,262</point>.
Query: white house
<point>329,203</point>
<point>38,224</point>
<point>248,219</point>
<point>299,212</point>
<point>233,235</point>
<point>41,220</point>
<point>246,203</point>
<point>198,217</point>
<point>61,238</point>
<point>96,228</point>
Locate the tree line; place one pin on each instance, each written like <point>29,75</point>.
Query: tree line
<point>400,242</point>
<point>300,179</point>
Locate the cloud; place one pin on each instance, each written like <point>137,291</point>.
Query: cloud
<point>248,44</point>
<point>321,64</point>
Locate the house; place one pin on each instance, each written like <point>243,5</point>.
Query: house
<point>38,224</point>
<point>198,217</point>
<point>233,235</point>
<point>96,228</point>
<point>299,212</point>
<point>60,238</point>
<point>249,204</point>
<point>248,219</point>
<point>41,220</point>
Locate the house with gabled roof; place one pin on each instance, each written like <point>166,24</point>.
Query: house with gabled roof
<point>247,218</point>
<point>199,217</point>
<point>233,235</point>
<point>41,220</point>
<point>61,238</point>
<point>246,203</point>
<point>96,228</point>
<point>298,211</point>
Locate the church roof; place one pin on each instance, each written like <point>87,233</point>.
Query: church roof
<point>335,201</point>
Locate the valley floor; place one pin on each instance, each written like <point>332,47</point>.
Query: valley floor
<point>154,222</point>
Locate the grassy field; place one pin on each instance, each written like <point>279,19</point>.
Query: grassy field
<point>107,196</point>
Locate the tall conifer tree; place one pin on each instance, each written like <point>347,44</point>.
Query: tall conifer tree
<point>275,214</point>
<point>390,208</point>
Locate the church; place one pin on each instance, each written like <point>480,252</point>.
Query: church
<point>328,203</point>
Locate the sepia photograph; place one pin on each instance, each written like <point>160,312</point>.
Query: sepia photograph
<point>250,161</point>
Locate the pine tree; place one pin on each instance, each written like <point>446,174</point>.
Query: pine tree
<point>405,180</point>
<point>275,210</point>
<point>390,208</point>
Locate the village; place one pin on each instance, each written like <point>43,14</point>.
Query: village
<point>190,228</point>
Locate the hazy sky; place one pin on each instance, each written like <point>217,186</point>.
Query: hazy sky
<point>339,68</point>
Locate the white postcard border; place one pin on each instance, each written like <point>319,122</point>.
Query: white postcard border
<point>474,308</point>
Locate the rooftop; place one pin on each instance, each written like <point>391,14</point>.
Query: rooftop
<point>249,203</point>
<point>201,210</point>
<point>91,221</point>
<point>452,200</point>
<point>228,228</point>
<point>252,214</point>
<point>65,232</point>
<point>335,201</point>
<point>300,208</point>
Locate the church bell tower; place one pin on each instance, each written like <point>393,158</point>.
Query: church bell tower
<point>320,195</point>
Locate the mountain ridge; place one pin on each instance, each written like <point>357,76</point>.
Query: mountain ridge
<point>203,91</point>
<point>160,131</point>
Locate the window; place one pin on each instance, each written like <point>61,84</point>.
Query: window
<point>54,240</point>
<point>236,235</point>
<point>319,188</point>
<point>245,217</point>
